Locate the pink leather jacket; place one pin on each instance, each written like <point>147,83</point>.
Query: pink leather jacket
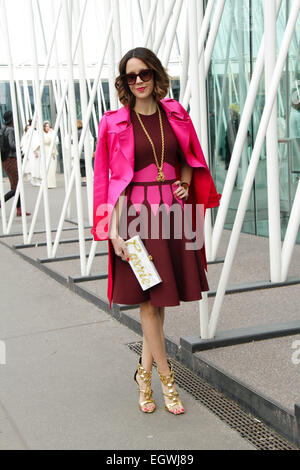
<point>114,167</point>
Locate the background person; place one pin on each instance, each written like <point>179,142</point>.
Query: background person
<point>231,132</point>
<point>9,161</point>
<point>295,132</point>
<point>82,160</point>
<point>48,138</point>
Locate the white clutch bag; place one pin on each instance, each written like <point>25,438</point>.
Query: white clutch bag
<point>141,263</point>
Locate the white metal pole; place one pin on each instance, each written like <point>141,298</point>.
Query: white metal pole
<point>203,303</point>
<point>221,113</point>
<point>20,102</point>
<point>290,235</point>
<point>66,155</point>
<point>72,110</point>
<point>185,60</point>
<point>242,79</point>
<point>163,26</point>
<point>194,66</point>
<point>272,146</point>
<point>91,258</point>
<point>39,112</point>
<point>137,20</point>
<point>84,129</point>
<point>87,142</point>
<point>213,33</point>
<point>202,96</point>
<point>146,38</point>
<point>111,67</point>
<point>140,14</point>
<point>252,168</point>
<point>131,28</point>
<point>205,25</point>
<point>116,33</point>
<point>145,13</point>
<point>210,41</point>
<point>28,111</point>
<point>173,26</point>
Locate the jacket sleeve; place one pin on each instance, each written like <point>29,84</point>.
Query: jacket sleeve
<point>101,180</point>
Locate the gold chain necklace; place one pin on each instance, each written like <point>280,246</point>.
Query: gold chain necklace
<point>161,176</point>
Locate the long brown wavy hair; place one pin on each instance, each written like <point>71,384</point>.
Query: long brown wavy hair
<point>160,76</point>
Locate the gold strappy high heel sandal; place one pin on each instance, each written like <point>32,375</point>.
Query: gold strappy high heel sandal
<point>168,380</point>
<point>146,378</point>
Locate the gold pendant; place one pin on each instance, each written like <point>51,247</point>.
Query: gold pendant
<point>161,176</point>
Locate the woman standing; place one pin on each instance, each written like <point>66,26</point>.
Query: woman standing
<point>48,136</point>
<point>9,159</point>
<point>35,159</point>
<point>151,150</point>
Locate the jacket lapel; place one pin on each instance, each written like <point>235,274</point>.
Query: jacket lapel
<point>124,131</point>
<point>126,144</point>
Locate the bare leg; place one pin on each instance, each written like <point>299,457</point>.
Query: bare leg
<point>147,358</point>
<point>154,342</point>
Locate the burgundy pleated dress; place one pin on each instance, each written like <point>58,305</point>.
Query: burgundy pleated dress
<point>181,270</point>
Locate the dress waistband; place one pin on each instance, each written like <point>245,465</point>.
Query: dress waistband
<point>152,183</point>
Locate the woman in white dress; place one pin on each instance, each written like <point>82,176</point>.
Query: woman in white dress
<point>48,136</point>
<point>34,160</point>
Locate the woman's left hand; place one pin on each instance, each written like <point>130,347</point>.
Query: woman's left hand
<point>180,192</point>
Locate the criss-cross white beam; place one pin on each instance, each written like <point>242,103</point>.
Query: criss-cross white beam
<point>83,133</point>
<point>290,235</point>
<point>216,19</point>
<point>7,34</point>
<point>270,18</point>
<point>73,115</point>
<point>239,144</point>
<point>34,118</point>
<point>57,123</point>
<point>242,207</point>
<point>39,111</point>
<point>163,25</point>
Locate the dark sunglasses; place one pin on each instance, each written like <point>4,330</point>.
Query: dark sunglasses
<point>145,75</point>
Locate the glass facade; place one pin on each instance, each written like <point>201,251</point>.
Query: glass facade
<point>233,60</point>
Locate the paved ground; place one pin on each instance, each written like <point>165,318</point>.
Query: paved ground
<point>67,382</point>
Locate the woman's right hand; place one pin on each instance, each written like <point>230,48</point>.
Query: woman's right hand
<point>120,247</point>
